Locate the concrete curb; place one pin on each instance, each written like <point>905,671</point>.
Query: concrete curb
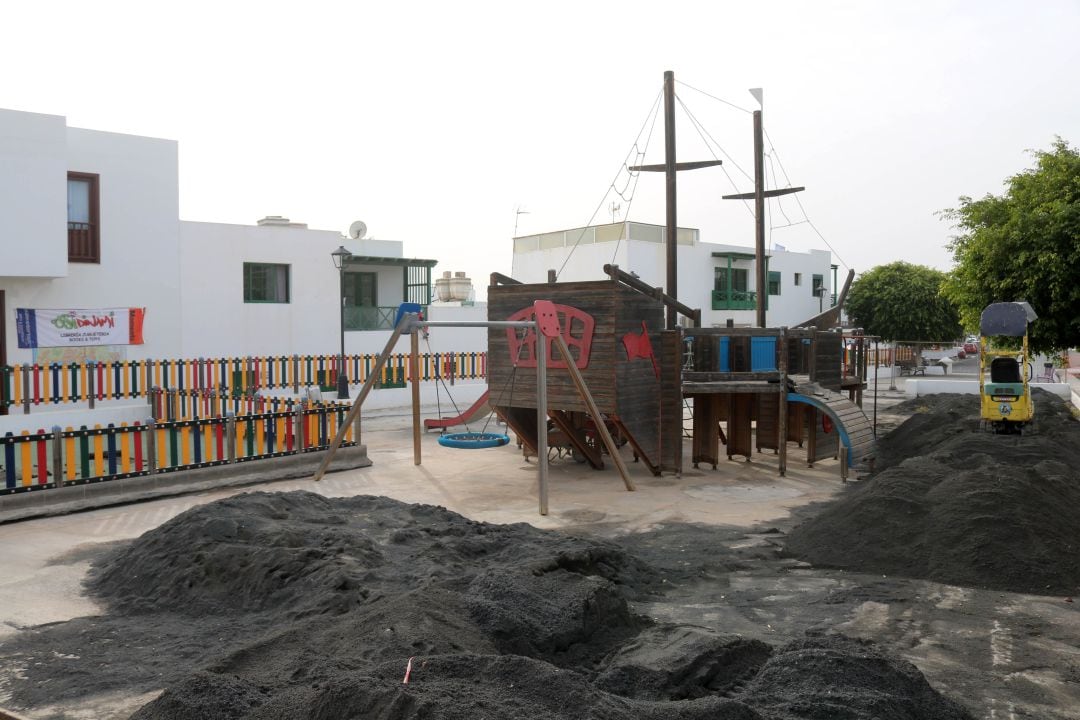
<point>62,501</point>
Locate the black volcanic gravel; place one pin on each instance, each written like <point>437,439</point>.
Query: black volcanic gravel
<point>954,504</point>
<point>297,606</point>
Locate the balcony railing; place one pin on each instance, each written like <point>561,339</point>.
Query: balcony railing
<point>371,318</point>
<point>734,300</point>
<point>83,243</point>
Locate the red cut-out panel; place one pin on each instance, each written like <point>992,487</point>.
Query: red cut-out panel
<point>639,346</point>
<point>576,327</point>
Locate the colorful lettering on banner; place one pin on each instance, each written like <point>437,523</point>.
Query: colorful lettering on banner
<point>38,328</point>
<point>576,327</point>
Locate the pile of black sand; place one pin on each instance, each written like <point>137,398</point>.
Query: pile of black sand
<point>951,503</point>
<point>310,609</point>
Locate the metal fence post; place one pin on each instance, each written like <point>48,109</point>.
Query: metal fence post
<point>230,435</point>
<point>298,427</point>
<point>148,382</point>
<point>57,457</point>
<point>91,381</point>
<point>151,446</point>
<point>26,389</point>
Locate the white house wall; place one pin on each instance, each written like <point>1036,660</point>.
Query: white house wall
<point>217,322</point>
<point>696,274</point>
<point>33,189</point>
<point>138,210</point>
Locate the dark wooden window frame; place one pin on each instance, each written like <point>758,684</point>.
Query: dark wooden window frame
<point>248,288</point>
<point>84,239</point>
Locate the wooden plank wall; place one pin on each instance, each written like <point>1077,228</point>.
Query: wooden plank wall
<point>821,445</point>
<point>628,390</point>
<point>828,347</point>
<point>637,383</point>
<point>671,401</point>
<point>519,388</point>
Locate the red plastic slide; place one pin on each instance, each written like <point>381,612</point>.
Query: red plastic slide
<point>477,410</point>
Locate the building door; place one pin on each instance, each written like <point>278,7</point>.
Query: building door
<point>360,289</point>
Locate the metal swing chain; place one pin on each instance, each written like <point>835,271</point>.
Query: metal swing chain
<point>511,380</point>
<point>441,379</point>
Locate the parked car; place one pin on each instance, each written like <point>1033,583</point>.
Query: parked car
<point>971,348</point>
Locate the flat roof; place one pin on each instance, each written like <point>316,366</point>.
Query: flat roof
<point>383,260</point>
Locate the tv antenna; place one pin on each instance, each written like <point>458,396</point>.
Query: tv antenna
<point>518,212</point>
<point>613,209</point>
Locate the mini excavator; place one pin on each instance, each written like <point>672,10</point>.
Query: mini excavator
<point>1004,374</point>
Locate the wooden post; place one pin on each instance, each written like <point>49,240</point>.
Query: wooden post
<point>26,388</point>
<point>354,411</point>
<point>672,231</point>
<point>783,420</point>
<point>541,419</point>
<point>414,362</point>
<point>598,418</point>
<point>759,220</point>
<point>91,379</point>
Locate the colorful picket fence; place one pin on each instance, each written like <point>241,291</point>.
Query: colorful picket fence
<point>31,384</point>
<point>57,458</point>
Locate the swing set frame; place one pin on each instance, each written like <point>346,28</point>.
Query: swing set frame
<point>411,324</point>
<point>546,326</point>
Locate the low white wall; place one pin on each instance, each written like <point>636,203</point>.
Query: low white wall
<point>74,417</point>
<point>918,387</point>
<point>462,394</point>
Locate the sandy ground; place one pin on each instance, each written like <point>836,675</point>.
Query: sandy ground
<point>1002,655</point>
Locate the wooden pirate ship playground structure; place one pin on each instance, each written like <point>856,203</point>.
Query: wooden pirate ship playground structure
<point>591,365</point>
<point>746,387</point>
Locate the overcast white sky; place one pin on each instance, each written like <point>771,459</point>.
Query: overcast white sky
<point>434,121</point>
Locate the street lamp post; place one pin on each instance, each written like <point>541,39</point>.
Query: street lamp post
<point>340,256</point>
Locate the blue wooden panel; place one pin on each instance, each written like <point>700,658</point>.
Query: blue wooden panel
<point>762,354</point>
<point>725,362</point>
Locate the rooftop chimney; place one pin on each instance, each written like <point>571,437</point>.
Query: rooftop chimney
<point>278,221</point>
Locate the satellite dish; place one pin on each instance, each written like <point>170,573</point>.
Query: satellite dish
<point>358,230</point>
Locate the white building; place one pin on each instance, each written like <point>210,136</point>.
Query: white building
<point>718,279</point>
<point>90,220</point>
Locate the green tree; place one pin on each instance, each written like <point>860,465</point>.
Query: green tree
<point>1024,245</point>
<point>901,301</point>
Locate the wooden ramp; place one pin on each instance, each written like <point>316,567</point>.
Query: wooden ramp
<point>855,429</point>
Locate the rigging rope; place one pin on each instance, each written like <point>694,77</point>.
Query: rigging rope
<point>638,157</point>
